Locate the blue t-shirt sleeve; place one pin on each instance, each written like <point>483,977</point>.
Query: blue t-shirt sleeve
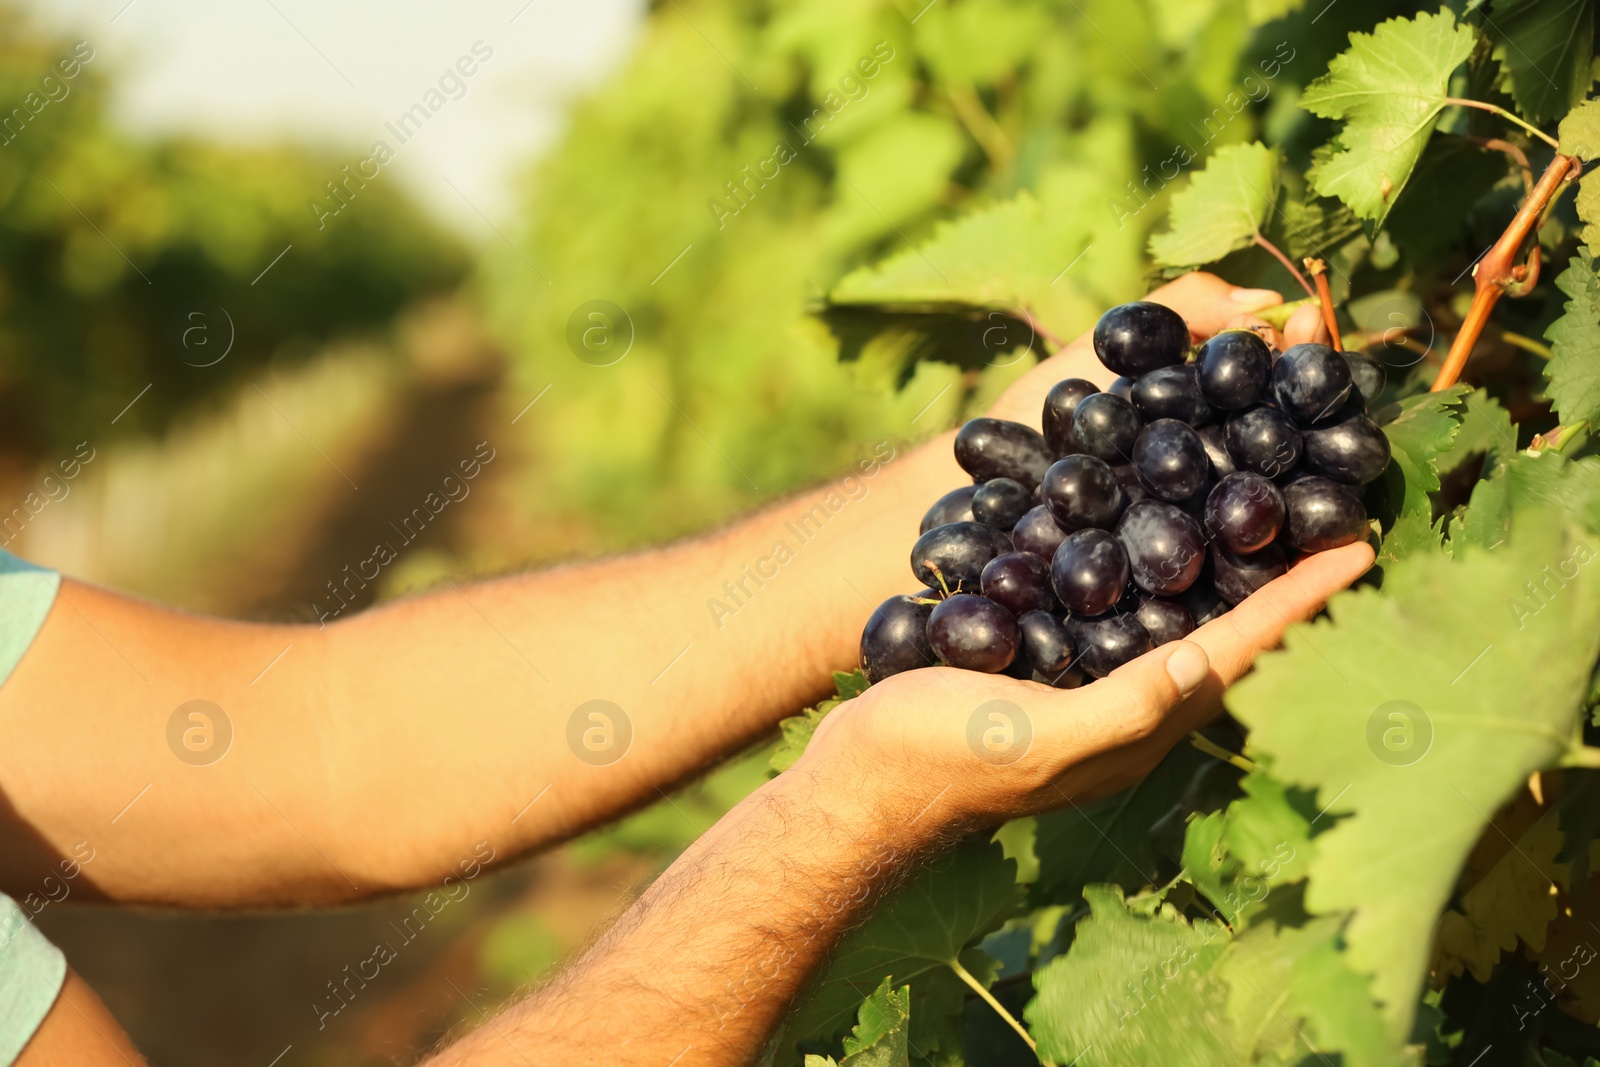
<point>26,595</point>
<point>31,973</point>
<point>31,968</point>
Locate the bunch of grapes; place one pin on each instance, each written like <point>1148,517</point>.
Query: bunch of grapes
<point>1140,512</point>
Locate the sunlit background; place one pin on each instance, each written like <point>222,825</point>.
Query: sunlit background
<point>264,343</point>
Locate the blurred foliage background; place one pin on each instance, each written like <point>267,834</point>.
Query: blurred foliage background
<point>747,156</point>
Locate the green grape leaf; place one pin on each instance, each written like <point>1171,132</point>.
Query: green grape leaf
<point>1416,711</point>
<point>1209,866</point>
<point>1547,46</point>
<point>1262,12</point>
<point>1389,88</point>
<point>1222,208</point>
<point>1579,132</point>
<point>1588,205</point>
<point>881,1034</point>
<point>1580,814</point>
<point>1511,900</point>
<point>1486,431</point>
<point>1311,225</point>
<point>1418,435</point>
<point>1526,481</point>
<point>794,732</point>
<point>1110,839</point>
<point>1132,989</point>
<point>1269,828</point>
<point>1574,368</point>
<point>966,894</point>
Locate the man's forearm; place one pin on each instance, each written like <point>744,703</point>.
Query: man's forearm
<point>703,966</point>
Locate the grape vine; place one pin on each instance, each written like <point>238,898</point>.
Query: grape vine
<point>1386,852</point>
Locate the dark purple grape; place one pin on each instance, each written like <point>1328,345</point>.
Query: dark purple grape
<point>1215,441</point>
<point>1105,426</point>
<point>1038,532</point>
<point>1237,575</point>
<point>960,550</point>
<point>1202,600</point>
<point>1235,367</point>
<point>1019,668</point>
<point>1135,339</point>
<point>1353,450</point>
<point>954,506</point>
<point>1046,644</point>
<point>1059,404</point>
<point>994,448</point>
<point>1170,459</point>
<point>1165,547</point>
<point>1366,375</point>
<point>1000,502</point>
<point>1082,492</point>
<point>1122,387</point>
<point>1170,393</point>
<point>1089,572</point>
<point>1106,642</point>
<point>1018,582</point>
<point>1244,512</point>
<point>973,633</point>
<point>1310,382</point>
<point>1132,488</point>
<point>1263,440</point>
<point>1322,514</point>
<point>896,639</point>
<point>1071,678</point>
<point>1164,620</point>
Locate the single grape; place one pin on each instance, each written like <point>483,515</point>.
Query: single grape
<point>1366,375</point>
<point>1170,459</point>
<point>1353,450</point>
<point>1122,387</point>
<point>1244,512</point>
<point>1170,393</point>
<point>1164,620</point>
<point>1128,478</point>
<point>1310,382</point>
<point>1059,404</point>
<point>1214,438</point>
<point>1106,642</point>
<point>1322,514</point>
<point>1038,532</point>
<point>1262,439</point>
<point>1082,491</point>
<point>1237,575</point>
<point>1134,339</point>
<point>896,639</point>
<point>1046,644</point>
<point>1000,502</point>
<point>1235,367</point>
<point>1018,582</point>
<point>1089,572</point>
<point>973,633</point>
<point>1105,426</point>
<point>1165,547</point>
<point>994,448</point>
<point>954,506</point>
<point>960,550</point>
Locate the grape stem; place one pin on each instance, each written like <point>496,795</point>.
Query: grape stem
<point>1319,273</point>
<point>1498,272</point>
<point>1288,265</point>
<point>1000,1009</point>
<point>939,574</point>
<point>1493,109</point>
<point>1211,748</point>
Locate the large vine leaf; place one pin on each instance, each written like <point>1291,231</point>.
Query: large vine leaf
<point>965,895</point>
<point>1512,900</point>
<point>1547,46</point>
<point>1574,368</point>
<point>881,1037</point>
<point>1416,712</point>
<point>1132,990</point>
<point>1222,208</point>
<point>1389,88</point>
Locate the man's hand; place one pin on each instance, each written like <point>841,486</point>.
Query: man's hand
<point>959,749</point>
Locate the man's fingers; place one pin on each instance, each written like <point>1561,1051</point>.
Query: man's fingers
<point>1233,641</point>
<point>1305,326</point>
<point>1206,302</point>
<point>1132,701</point>
<point>1260,327</point>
